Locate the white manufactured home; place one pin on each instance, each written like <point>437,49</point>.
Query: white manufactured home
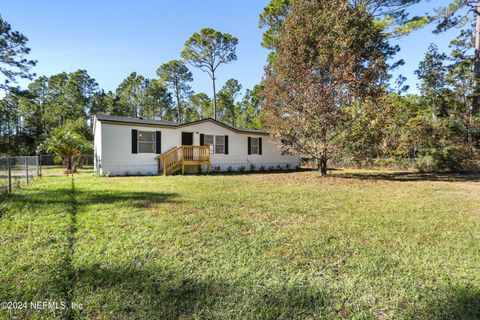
<point>132,146</point>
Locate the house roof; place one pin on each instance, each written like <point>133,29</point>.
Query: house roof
<point>164,123</point>
<point>106,117</point>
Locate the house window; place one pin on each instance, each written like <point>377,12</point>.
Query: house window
<point>208,141</point>
<point>220,144</point>
<point>255,149</point>
<point>146,141</point>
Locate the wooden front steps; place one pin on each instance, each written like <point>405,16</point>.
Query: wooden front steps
<point>179,157</point>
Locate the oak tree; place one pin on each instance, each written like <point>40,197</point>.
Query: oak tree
<point>390,15</point>
<point>331,61</point>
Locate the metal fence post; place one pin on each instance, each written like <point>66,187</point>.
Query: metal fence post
<point>26,167</point>
<point>9,176</point>
<point>38,166</point>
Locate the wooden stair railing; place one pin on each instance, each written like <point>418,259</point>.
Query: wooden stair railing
<point>181,156</point>
<point>170,161</point>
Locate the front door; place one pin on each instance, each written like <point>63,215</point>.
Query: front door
<point>187,138</point>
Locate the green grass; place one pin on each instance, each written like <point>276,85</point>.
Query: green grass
<point>359,245</point>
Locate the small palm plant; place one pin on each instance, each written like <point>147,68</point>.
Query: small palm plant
<point>69,146</point>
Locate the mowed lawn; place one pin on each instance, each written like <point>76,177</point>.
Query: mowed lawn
<point>261,246</point>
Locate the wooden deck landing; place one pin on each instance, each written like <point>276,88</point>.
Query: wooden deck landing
<point>182,156</point>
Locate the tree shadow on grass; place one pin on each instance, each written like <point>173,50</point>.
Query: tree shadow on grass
<point>407,176</point>
<point>451,303</point>
<point>138,199</point>
<point>70,275</point>
<point>164,294</point>
<point>61,284</point>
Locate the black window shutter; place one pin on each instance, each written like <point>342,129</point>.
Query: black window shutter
<point>202,139</point>
<point>259,145</point>
<point>226,144</point>
<point>134,140</point>
<point>158,141</point>
<point>249,147</point>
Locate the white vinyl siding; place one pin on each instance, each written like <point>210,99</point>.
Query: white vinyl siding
<point>114,147</point>
<point>146,141</point>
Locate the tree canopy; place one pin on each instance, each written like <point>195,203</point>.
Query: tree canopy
<point>390,15</point>
<point>13,51</point>
<point>176,76</point>
<point>207,50</point>
<point>227,98</point>
<point>321,74</point>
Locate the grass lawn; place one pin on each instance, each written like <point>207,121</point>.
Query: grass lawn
<point>264,246</point>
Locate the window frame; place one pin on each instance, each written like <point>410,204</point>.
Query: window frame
<point>153,142</point>
<point>252,139</point>
<point>211,145</point>
<point>220,145</point>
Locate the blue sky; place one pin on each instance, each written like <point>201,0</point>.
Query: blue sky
<point>110,39</point>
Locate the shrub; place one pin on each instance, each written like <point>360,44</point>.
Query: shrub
<point>425,164</point>
<point>279,167</point>
<point>262,168</point>
<point>287,166</point>
<point>241,169</point>
<point>68,145</point>
<point>452,158</point>
<point>449,158</point>
<point>229,169</point>
<point>252,167</point>
<point>471,165</point>
<point>271,168</point>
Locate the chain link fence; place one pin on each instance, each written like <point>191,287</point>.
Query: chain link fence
<point>18,171</point>
<point>52,160</point>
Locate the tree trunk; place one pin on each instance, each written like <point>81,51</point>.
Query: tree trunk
<point>69,165</point>
<point>179,118</point>
<point>234,117</point>
<point>322,165</point>
<point>476,95</point>
<point>214,97</point>
<point>177,93</point>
